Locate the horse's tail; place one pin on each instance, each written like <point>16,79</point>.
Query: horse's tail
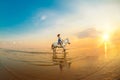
<point>52,47</point>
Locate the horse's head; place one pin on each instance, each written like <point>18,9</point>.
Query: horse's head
<point>67,41</point>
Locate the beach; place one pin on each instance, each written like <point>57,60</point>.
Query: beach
<point>24,65</point>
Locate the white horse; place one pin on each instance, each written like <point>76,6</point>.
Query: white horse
<point>56,45</point>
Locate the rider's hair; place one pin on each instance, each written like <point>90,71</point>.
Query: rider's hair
<point>58,35</point>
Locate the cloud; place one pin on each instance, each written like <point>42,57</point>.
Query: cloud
<point>43,17</point>
<point>89,33</point>
<point>82,16</point>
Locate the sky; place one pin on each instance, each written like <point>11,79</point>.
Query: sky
<point>35,23</point>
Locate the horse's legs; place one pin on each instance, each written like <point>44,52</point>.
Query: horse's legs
<point>64,49</point>
<point>54,50</point>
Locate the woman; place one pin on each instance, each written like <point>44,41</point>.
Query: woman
<point>59,40</point>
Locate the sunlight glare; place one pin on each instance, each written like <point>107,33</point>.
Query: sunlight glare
<point>105,37</point>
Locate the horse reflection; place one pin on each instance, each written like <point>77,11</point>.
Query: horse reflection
<point>62,61</point>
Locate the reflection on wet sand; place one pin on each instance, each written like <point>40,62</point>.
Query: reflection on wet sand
<point>17,65</point>
<point>62,61</point>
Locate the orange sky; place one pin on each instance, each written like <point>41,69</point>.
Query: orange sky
<point>87,43</point>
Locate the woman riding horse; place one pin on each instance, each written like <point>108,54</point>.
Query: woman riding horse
<point>59,40</point>
<point>60,44</point>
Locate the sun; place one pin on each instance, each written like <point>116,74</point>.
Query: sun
<point>106,37</point>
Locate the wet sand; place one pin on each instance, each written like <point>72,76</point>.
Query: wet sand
<point>21,65</point>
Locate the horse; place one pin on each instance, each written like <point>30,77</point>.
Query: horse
<point>63,45</point>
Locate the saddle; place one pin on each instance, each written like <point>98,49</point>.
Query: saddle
<point>59,45</point>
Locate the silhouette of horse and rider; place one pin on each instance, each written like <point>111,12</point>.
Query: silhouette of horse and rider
<point>60,44</point>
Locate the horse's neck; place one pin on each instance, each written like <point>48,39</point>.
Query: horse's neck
<point>65,42</point>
